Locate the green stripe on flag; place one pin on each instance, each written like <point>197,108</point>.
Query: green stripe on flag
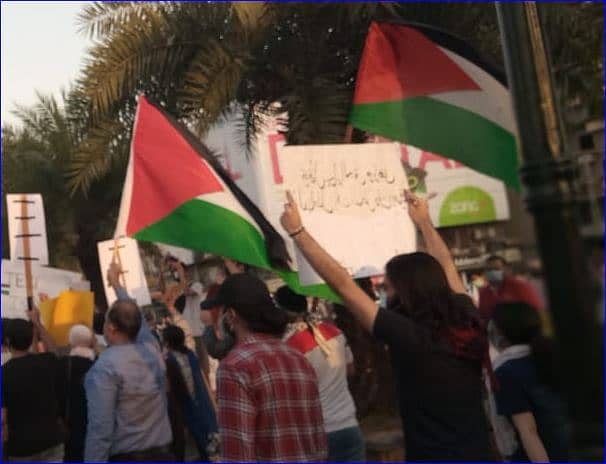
<point>446,130</point>
<point>203,226</point>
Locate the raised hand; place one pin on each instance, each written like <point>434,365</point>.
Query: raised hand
<point>113,274</point>
<point>291,219</point>
<point>418,208</point>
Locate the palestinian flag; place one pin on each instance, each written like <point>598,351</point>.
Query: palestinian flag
<point>176,193</point>
<point>428,89</point>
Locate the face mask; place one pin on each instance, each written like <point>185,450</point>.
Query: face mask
<point>382,299</point>
<point>495,276</point>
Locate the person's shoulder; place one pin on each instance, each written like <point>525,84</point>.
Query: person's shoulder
<point>517,368</point>
<point>47,356</point>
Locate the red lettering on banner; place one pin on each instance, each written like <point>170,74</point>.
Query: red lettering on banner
<point>427,157</point>
<point>404,156</point>
<point>273,140</point>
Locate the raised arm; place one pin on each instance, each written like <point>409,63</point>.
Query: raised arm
<point>47,340</point>
<point>361,306</point>
<point>419,213</point>
<point>145,334</point>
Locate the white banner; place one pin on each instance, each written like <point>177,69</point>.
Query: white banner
<point>351,199</point>
<point>126,252</point>
<point>26,222</point>
<point>47,283</point>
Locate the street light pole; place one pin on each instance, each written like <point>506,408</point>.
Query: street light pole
<point>547,174</point>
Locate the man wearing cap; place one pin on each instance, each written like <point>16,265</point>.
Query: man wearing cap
<point>268,401</point>
<point>326,349</point>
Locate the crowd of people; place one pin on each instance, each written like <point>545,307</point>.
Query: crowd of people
<point>234,373</point>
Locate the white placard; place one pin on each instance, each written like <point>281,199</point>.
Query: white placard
<point>26,211</point>
<point>47,283</point>
<point>127,254</point>
<point>351,199</point>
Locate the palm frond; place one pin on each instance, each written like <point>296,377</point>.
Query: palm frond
<point>116,68</point>
<point>212,81</point>
<point>317,111</point>
<point>252,15</point>
<point>101,19</point>
<point>96,155</point>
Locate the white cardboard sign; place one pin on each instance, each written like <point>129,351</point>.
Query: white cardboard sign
<point>126,252</point>
<point>47,283</point>
<point>351,199</point>
<point>26,221</point>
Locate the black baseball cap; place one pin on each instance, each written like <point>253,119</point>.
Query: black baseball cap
<point>240,290</point>
<point>290,301</point>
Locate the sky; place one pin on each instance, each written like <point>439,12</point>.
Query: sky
<point>41,50</point>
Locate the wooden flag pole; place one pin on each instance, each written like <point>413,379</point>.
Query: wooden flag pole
<point>27,259</point>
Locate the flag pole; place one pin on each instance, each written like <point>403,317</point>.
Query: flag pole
<point>27,258</point>
<point>548,173</point>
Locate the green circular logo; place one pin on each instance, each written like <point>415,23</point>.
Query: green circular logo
<point>467,205</point>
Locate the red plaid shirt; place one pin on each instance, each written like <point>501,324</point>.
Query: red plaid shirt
<point>269,405</point>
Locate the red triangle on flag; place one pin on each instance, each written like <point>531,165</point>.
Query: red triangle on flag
<point>167,170</point>
<point>401,62</point>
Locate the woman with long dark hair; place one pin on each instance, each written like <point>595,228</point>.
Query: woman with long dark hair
<point>527,393</point>
<point>436,339</point>
<point>190,405</point>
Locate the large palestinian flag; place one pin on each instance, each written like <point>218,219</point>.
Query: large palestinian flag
<point>176,193</point>
<point>428,89</point>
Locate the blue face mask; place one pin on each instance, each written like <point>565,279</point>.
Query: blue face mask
<point>382,299</point>
<point>495,276</point>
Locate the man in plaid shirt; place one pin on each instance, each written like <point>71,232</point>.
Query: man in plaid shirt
<point>268,402</point>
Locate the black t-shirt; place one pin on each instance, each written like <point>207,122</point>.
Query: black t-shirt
<point>31,389</point>
<point>520,391</point>
<point>440,394</point>
<point>73,404</point>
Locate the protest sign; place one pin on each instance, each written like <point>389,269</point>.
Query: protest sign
<point>27,228</point>
<point>60,314</point>
<point>351,199</point>
<point>47,283</point>
<point>125,252</point>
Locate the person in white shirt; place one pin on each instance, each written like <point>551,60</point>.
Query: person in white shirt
<point>326,349</point>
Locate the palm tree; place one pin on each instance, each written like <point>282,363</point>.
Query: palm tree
<point>197,59</point>
<point>34,159</point>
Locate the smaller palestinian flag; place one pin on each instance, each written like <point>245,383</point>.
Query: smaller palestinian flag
<point>426,88</point>
<point>176,193</point>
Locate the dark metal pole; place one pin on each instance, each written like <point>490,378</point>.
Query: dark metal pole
<point>547,174</point>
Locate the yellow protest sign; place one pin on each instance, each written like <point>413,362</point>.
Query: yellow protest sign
<point>70,308</point>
